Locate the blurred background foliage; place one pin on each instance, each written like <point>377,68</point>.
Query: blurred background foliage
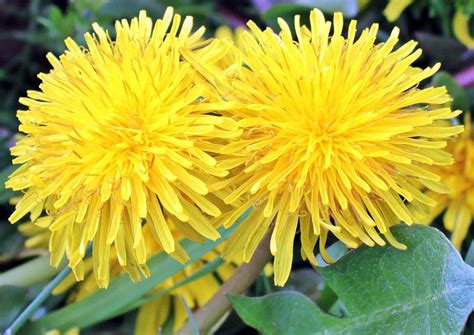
<point>30,29</point>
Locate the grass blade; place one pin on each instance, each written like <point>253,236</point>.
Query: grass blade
<point>106,303</point>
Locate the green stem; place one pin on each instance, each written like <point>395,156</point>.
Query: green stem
<point>192,322</point>
<point>328,299</point>
<point>36,303</point>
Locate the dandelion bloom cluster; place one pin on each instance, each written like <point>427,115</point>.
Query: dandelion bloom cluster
<point>458,200</point>
<point>161,135</point>
<point>336,133</point>
<point>120,133</point>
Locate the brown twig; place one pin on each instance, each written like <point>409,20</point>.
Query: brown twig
<point>207,316</point>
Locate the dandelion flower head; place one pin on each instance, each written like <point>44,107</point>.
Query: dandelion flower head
<point>458,199</point>
<point>123,132</point>
<point>336,132</point>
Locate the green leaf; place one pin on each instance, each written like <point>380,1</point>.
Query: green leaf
<point>6,194</point>
<point>442,9</point>
<point>14,299</point>
<point>426,288</point>
<point>459,94</point>
<point>30,273</point>
<point>283,313</point>
<point>121,292</point>
<point>167,328</point>
<point>206,269</point>
<point>287,11</point>
<point>466,6</point>
<point>12,242</point>
<point>470,92</point>
<point>469,259</point>
<point>305,281</point>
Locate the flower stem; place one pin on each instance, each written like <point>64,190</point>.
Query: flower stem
<point>36,303</point>
<point>207,316</point>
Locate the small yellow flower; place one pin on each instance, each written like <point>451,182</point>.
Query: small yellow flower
<point>461,29</point>
<point>363,3</point>
<point>72,331</point>
<point>121,132</point>
<point>336,133</point>
<point>459,178</point>
<point>395,8</point>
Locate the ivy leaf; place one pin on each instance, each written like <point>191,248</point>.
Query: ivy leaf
<point>384,290</point>
<point>284,313</point>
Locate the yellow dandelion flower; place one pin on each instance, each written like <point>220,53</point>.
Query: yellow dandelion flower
<point>123,131</point>
<point>336,131</point>
<point>459,179</point>
<point>152,315</point>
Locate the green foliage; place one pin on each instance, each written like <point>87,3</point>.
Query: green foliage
<point>442,9</point>
<point>17,298</point>
<point>460,96</point>
<point>32,272</point>
<point>287,11</point>
<point>427,288</point>
<point>466,6</point>
<point>11,242</point>
<point>5,194</point>
<point>74,22</point>
<point>469,259</point>
<point>104,304</point>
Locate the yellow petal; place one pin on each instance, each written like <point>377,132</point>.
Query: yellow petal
<point>395,8</point>
<point>461,29</point>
